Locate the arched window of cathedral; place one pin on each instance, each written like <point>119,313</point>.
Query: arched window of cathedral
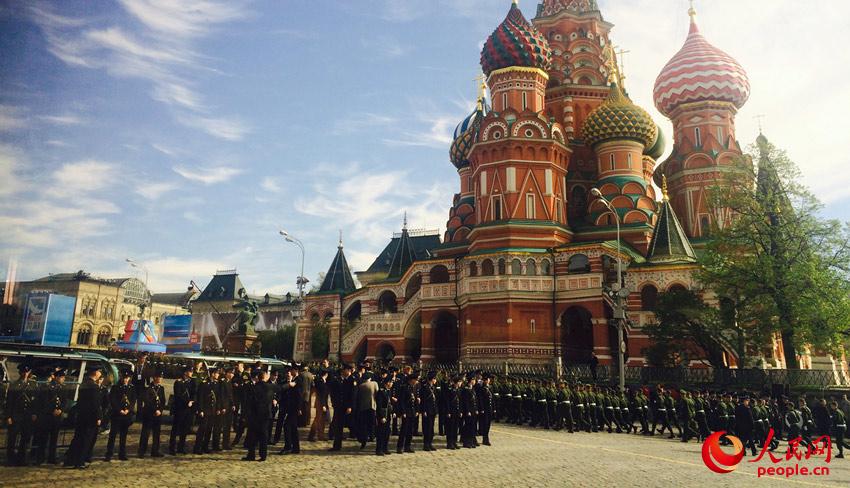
<point>545,268</point>
<point>84,335</point>
<point>473,268</point>
<point>677,287</point>
<point>530,267</point>
<point>579,263</point>
<point>648,297</point>
<point>698,137</point>
<point>487,268</point>
<point>103,337</point>
<point>387,302</point>
<point>439,274</point>
<point>413,286</point>
<point>501,269</point>
<point>516,267</point>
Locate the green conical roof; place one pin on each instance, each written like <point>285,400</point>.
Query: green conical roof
<point>338,278</point>
<point>669,243</point>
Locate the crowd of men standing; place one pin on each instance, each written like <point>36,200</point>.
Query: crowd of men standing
<point>249,404</point>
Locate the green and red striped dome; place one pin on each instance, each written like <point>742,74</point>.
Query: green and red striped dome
<point>515,43</point>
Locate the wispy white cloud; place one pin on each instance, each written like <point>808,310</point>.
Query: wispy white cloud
<point>10,162</point>
<point>83,176</point>
<point>270,184</point>
<point>435,131</point>
<point>161,53</point>
<point>207,175</point>
<point>385,47</point>
<point>11,118</point>
<point>222,128</point>
<point>193,217</point>
<point>153,191</point>
<point>362,121</point>
<point>64,119</point>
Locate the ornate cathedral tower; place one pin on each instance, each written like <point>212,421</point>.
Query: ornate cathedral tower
<point>700,89</point>
<point>518,164</point>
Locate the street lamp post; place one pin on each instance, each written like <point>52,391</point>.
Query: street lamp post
<point>301,280</point>
<point>620,293</point>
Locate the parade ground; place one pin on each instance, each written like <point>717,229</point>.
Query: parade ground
<point>518,457</point>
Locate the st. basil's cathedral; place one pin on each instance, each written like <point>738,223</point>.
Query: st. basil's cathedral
<point>521,272</point>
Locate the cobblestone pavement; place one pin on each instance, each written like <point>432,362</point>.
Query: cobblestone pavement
<point>519,457</point>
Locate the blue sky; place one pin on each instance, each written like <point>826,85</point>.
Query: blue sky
<point>185,134</point>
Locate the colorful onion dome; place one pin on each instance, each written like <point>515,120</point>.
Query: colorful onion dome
<point>552,7</point>
<point>464,136</point>
<point>515,43</point>
<point>700,72</point>
<point>619,118</point>
<point>658,147</point>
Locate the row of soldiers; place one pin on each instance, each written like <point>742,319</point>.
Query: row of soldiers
<point>694,414</point>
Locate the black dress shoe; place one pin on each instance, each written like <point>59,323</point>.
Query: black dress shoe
<point>261,459</point>
<point>247,458</point>
<point>334,449</point>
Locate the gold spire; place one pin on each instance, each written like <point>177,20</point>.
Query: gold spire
<point>692,12</point>
<point>482,91</point>
<point>516,2</point>
<point>609,58</point>
<point>664,196</point>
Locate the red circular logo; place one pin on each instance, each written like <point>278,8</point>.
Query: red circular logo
<point>717,460</point>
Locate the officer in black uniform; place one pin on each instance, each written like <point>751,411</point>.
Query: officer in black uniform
<point>221,437</point>
<point>263,399</point>
<point>207,412</point>
<point>22,410</point>
<point>453,412</point>
<point>182,409</point>
<point>89,411</point>
<point>484,400</point>
<point>50,420</point>
<point>407,409</point>
<point>428,410</point>
<point>153,405</point>
<point>383,415</point>
<point>469,411</point>
<point>122,397</point>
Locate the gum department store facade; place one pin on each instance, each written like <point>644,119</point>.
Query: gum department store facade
<point>521,272</point>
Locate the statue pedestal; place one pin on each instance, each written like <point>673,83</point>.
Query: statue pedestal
<point>240,343</point>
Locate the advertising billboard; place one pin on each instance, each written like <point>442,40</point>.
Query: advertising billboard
<point>48,319</point>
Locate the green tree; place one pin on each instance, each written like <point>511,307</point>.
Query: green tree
<point>277,343</point>
<point>778,262</point>
<point>320,340</point>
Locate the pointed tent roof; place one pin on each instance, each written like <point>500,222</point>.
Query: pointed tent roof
<point>404,255</point>
<point>669,243</point>
<point>223,286</point>
<point>338,279</point>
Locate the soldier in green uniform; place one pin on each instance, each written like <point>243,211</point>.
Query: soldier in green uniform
<point>686,408</point>
<point>837,427</point>
<point>22,411</point>
<point>122,397</point>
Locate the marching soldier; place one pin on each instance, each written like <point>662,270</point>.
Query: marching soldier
<point>486,401</point>
<point>50,420</point>
<point>838,426</point>
<point>793,420</point>
<point>744,424</point>
<point>182,410</point>
<point>22,412</point>
<point>122,397</point>
<point>153,404</point>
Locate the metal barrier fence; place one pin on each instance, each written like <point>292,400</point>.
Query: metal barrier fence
<point>757,379</point>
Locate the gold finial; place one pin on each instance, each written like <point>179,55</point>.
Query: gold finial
<point>664,196</point>
<point>482,90</point>
<point>692,12</point>
<point>621,69</point>
<point>516,2</point>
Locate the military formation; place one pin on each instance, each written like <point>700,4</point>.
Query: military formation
<point>682,414</point>
<point>245,405</point>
